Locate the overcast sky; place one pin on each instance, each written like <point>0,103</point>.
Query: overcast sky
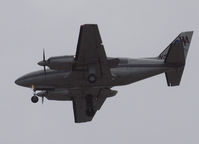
<point>146,112</point>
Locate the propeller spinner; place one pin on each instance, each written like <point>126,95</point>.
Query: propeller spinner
<point>43,62</point>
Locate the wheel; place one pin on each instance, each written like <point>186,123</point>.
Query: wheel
<point>92,78</point>
<point>34,99</point>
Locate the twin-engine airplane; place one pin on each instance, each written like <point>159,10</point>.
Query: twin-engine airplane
<point>86,79</point>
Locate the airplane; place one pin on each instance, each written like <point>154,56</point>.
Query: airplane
<point>87,78</point>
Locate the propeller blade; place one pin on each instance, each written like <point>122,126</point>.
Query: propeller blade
<point>45,70</point>
<point>42,100</point>
<point>44,61</point>
<point>44,57</point>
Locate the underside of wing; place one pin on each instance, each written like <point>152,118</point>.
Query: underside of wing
<point>89,40</point>
<point>87,105</point>
<point>82,111</point>
<point>90,54</point>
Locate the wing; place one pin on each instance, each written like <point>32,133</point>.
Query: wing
<point>90,52</point>
<point>85,106</point>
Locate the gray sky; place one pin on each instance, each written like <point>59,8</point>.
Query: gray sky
<point>146,112</point>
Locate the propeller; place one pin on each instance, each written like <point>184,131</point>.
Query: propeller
<point>42,94</point>
<point>42,99</point>
<point>43,62</point>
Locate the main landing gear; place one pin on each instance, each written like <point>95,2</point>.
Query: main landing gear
<point>92,78</point>
<point>89,102</point>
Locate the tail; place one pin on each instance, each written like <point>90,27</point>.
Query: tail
<point>175,54</point>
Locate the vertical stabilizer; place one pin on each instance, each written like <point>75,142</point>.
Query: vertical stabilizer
<point>176,54</point>
<point>184,38</point>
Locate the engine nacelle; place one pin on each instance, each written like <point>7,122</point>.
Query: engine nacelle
<point>66,63</point>
<point>61,95</point>
<point>59,63</point>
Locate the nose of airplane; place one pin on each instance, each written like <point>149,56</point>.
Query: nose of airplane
<point>19,82</point>
<point>30,79</point>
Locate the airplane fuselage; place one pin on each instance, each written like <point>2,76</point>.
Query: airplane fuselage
<point>127,72</point>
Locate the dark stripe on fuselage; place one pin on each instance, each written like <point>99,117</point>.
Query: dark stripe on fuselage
<point>150,65</point>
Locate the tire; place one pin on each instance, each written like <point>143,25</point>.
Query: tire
<point>34,99</point>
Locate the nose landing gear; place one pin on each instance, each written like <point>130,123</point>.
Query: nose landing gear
<point>34,99</point>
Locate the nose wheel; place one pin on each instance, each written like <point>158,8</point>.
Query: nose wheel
<point>34,99</point>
